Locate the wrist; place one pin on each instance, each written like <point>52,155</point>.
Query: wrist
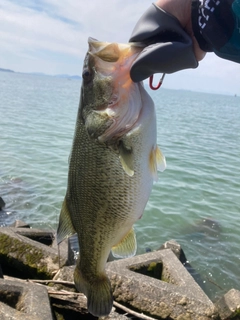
<point>179,9</point>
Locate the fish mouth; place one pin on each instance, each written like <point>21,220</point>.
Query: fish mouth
<point>119,56</point>
<point>112,62</point>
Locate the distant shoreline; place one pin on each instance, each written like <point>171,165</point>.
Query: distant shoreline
<point>77,77</point>
<point>44,74</point>
<point>6,70</point>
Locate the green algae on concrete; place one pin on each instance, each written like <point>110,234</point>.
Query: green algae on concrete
<point>152,269</point>
<point>26,258</point>
<point>137,283</point>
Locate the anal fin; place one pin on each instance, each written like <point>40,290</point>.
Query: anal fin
<point>65,227</point>
<point>127,247</point>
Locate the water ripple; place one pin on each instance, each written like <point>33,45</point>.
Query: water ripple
<point>195,201</point>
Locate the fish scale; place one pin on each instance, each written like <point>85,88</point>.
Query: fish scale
<point>112,166</point>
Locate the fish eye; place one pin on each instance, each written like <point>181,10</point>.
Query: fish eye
<point>87,75</point>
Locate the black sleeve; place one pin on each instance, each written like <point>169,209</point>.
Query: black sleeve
<point>216,26</point>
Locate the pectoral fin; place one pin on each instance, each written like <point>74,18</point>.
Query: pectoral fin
<point>161,161</point>
<point>157,162</point>
<point>65,227</point>
<point>127,247</point>
<point>126,158</point>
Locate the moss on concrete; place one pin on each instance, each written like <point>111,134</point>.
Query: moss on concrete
<point>24,257</point>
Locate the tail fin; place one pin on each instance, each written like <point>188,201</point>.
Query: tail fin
<point>98,292</point>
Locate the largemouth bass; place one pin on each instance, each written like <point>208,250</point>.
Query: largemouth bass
<point>113,163</point>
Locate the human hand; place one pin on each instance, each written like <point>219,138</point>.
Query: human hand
<point>182,11</point>
<point>166,31</point>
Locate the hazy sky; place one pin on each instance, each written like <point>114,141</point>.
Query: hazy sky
<point>50,36</point>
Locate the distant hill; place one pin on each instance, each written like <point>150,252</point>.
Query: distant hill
<point>35,73</point>
<point>67,76</point>
<point>44,74</point>
<point>6,70</point>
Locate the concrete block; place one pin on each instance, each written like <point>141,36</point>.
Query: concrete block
<point>176,249</point>
<point>229,305</point>
<point>19,224</point>
<point>42,236</point>
<point>179,253</point>
<point>20,301</point>
<point>65,274</point>
<point>65,252</point>
<point>157,284</point>
<point>26,258</point>
<point>116,316</point>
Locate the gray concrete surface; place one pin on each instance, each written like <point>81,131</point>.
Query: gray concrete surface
<point>168,291</point>
<point>28,258</point>
<point>229,305</point>
<point>19,301</point>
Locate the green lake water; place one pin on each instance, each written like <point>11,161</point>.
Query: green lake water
<point>195,201</point>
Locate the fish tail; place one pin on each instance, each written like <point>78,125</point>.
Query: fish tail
<point>98,291</point>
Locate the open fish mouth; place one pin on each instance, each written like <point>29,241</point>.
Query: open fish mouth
<point>111,62</point>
